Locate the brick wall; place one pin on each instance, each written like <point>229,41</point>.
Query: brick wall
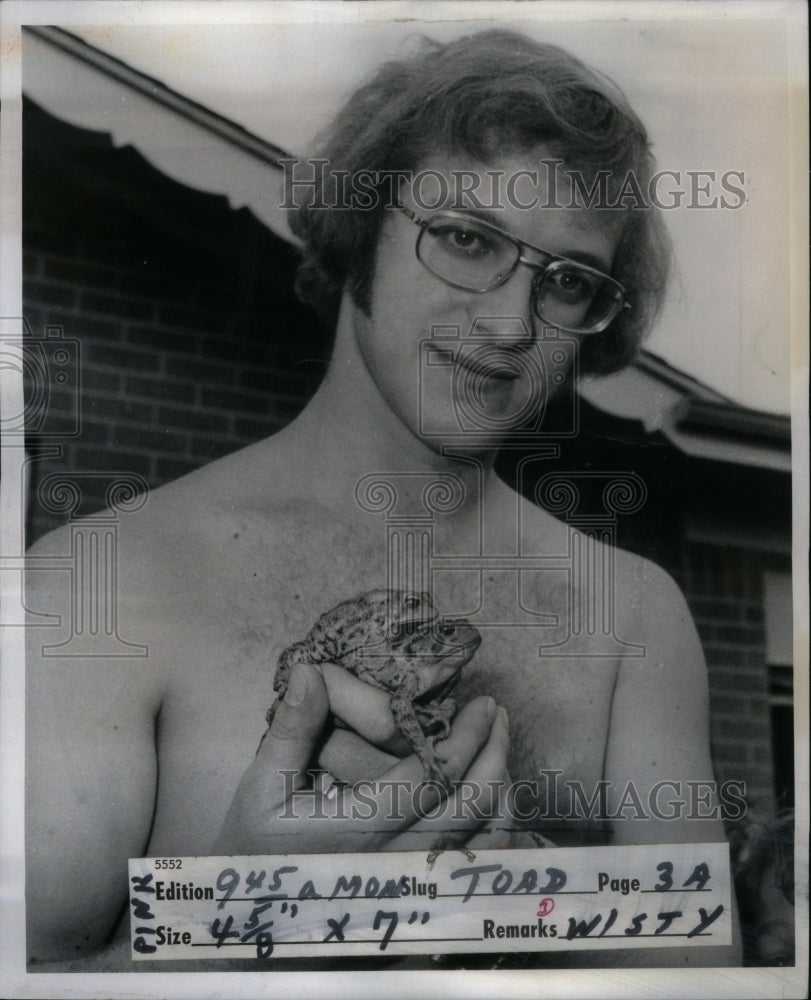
<point>724,588</point>
<point>191,344</point>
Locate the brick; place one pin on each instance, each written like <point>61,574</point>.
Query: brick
<point>274,380</point>
<point>739,578</point>
<point>146,439</point>
<point>705,574</point>
<point>79,272</point>
<point>45,426</point>
<point>218,294</point>
<point>168,469</point>
<point>758,704</point>
<point>211,320</point>
<point>166,390</point>
<point>35,318</point>
<point>714,611</point>
<point>730,751</point>
<point>759,772</point>
<point>226,348</point>
<point>742,680</point>
<point>116,241</point>
<point>59,400</point>
<point>753,615</point>
<point>95,430</point>
<point>722,704</point>
<point>215,373</point>
<point>719,654</point>
<point>194,420</point>
<point>50,240</point>
<point>743,635</point>
<point>209,448</point>
<point>118,408</point>
<point>173,285</point>
<point>156,337</point>
<point>112,461</point>
<point>49,293</point>
<point>760,796</point>
<point>122,357</point>
<point>94,379</point>
<point>234,401</point>
<point>255,430</point>
<point>751,729</point>
<point>117,305</point>
<point>83,327</point>
<point>284,409</point>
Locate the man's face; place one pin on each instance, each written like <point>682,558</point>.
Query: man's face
<point>466,367</point>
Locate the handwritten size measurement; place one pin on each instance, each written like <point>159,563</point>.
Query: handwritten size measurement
<point>355,904</point>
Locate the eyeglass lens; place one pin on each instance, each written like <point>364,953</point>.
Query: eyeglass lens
<point>477,258</point>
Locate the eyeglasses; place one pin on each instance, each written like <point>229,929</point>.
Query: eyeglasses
<point>476,256</point>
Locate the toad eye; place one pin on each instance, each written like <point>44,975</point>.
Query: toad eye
<point>411,601</point>
<point>447,628</point>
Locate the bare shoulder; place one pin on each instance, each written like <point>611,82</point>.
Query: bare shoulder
<point>163,537</point>
<point>104,590</point>
<point>648,595</point>
<point>639,601</point>
<point>643,588</point>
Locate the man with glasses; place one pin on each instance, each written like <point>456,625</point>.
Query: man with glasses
<point>458,310</point>
<point>476,256</point>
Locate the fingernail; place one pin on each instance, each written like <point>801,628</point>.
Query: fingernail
<point>505,718</point>
<point>297,688</point>
<point>491,710</point>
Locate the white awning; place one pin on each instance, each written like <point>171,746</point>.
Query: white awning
<point>192,145</point>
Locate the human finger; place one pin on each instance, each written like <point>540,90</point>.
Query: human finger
<point>490,764</point>
<point>393,800</point>
<point>470,732</point>
<point>360,706</point>
<point>366,710</point>
<point>297,724</point>
<point>401,794</point>
<point>498,832</point>
<point>351,758</point>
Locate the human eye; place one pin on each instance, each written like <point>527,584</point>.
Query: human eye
<point>571,284</point>
<point>464,239</point>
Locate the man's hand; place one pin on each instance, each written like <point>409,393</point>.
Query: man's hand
<point>273,810</point>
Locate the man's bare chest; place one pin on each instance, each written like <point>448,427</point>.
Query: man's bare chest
<point>225,639</point>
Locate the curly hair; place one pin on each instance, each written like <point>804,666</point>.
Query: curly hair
<point>484,95</point>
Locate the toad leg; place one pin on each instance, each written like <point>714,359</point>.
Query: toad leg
<point>437,713</point>
<point>405,717</point>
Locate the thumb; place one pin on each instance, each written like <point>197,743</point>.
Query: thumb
<point>291,740</point>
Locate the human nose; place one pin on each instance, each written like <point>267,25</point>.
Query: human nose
<point>505,313</point>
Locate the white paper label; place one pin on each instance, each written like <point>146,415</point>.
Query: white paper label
<point>363,904</point>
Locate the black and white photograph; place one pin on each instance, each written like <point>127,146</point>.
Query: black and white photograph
<point>404,493</point>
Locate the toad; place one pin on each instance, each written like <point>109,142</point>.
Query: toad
<point>396,641</point>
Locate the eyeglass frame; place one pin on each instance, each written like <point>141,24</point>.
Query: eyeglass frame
<point>543,269</point>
